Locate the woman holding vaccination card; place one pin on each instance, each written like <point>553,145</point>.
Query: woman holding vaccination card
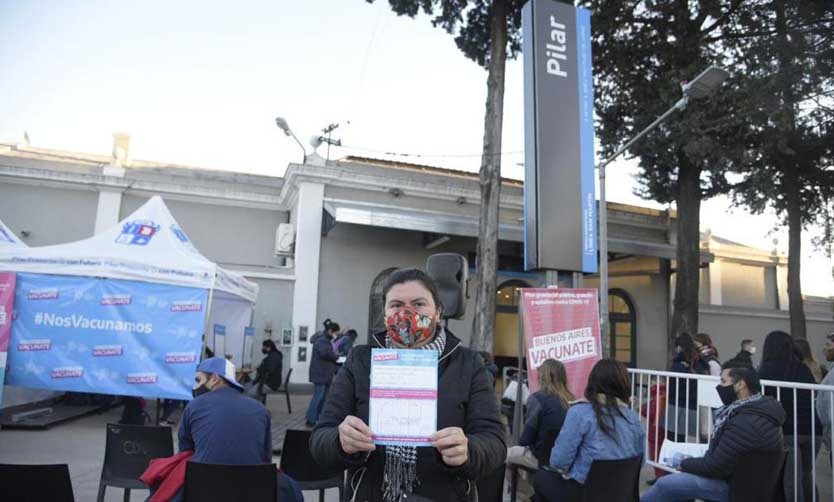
<point>469,442</point>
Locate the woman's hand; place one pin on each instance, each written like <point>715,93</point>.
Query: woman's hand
<point>452,444</point>
<point>355,436</point>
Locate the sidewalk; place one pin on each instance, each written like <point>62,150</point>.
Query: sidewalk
<point>80,444</point>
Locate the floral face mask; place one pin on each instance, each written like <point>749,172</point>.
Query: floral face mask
<point>407,327</point>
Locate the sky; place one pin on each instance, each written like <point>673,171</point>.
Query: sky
<point>200,84</point>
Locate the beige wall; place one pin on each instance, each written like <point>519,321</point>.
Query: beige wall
<point>744,285</point>
<point>35,208</point>
<point>647,292</point>
<point>224,234</point>
<point>728,326</point>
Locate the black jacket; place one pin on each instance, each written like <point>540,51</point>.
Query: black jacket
<point>745,358</point>
<point>323,360</point>
<point>466,399</point>
<point>753,426</point>
<point>678,386</point>
<point>270,369</point>
<point>805,413</point>
<point>545,417</point>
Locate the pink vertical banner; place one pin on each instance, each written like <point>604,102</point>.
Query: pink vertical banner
<point>562,324</point>
<point>7,284</point>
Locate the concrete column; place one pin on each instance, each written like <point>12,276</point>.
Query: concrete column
<point>107,212</point>
<point>110,202</point>
<point>782,287</point>
<point>715,283</point>
<point>308,214</point>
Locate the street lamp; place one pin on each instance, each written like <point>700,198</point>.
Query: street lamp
<point>702,86</point>
<point>282,124</point>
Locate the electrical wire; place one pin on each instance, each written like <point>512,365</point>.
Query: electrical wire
<point>430,156</point>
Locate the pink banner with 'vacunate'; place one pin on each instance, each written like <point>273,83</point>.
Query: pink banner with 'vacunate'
<point>562,324</point>
<point>7,283</point>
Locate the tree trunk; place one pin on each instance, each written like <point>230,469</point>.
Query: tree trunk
<point>483,330</point>
<point>795,301</point>
<point>790,177</point>
<point>685,316</point>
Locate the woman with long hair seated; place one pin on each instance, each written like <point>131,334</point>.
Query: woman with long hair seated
<point>600,427</point>
<point>546,410</point>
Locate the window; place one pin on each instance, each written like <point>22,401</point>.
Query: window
<point>376,303</point>
<point>622,324</point>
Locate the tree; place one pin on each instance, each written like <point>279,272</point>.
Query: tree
<point>785,50</point>
<point>642,52</point>
<point>487,32</point>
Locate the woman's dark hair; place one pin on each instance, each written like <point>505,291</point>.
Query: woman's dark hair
<point>270,345</point>
<point>779,350</point>
<point>403,275</point>
<point>351,333</point>
<point>688,351</point>
<point>803,350</point>
<point>608,382</point>
<point>704,339</point>
<point>330,326</point>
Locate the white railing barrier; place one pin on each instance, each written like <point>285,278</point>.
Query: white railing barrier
<point>650,398</point>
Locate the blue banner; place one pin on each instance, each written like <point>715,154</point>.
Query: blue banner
<point>106,336</point>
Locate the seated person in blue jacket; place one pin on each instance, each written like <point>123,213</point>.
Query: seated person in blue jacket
<point>600,427</point>
<point>747,422</point>
<point>221,425</point>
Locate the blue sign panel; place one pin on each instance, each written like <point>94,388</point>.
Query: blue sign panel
<point>559,195</point>
<point>106,336</point>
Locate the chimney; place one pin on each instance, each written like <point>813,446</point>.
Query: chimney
<point>121,149</point>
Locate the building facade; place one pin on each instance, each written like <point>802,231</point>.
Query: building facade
<point>353,221</point>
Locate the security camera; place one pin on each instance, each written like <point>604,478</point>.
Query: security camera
<point>316,141</point>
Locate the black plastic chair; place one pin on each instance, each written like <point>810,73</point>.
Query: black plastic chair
<point>222,483</point>
<point>35,483</point>
<point>283,390</point>
<point>613,481</point>
<point>301,467</point>
<point>127,452</point>
<point>758,477</point>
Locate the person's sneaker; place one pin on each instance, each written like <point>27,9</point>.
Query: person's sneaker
<point>310,424</point>
<point>168,422</point>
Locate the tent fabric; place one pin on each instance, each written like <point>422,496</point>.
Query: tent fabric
<point>8,239</point>
<point>146,246</point>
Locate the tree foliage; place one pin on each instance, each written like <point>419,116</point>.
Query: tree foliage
<point>468,21</point>
<point>643,51</point>
<point>487,32</point>
<point>785,51</point>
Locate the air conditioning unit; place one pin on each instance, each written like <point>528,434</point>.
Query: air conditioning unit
<point>284,239</point>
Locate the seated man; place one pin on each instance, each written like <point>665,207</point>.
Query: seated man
<point>221,425</point>
<point>747,422</point>
<point>269,371</point>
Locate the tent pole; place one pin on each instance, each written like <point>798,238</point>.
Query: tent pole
<point>252,325</point>
<point>205,323</point>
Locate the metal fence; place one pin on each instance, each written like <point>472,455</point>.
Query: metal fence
<point>687,416</point>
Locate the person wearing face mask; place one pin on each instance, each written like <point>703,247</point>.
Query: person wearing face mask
<point>323,366</point>
<point>745,355</point>
<point>221,424</point>
<point>747,422</point>
<point>824,398</point>
<point>469,442</point>
<point>269,372</point>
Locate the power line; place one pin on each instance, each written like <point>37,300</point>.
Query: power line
<point>426,155</point>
